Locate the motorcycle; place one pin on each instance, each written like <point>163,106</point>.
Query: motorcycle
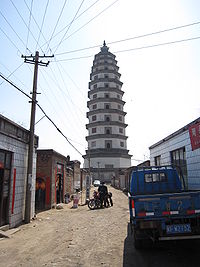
<point>94,203</point>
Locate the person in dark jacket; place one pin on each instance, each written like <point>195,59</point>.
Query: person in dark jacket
<point>110,198</point>
<point>103,193</point>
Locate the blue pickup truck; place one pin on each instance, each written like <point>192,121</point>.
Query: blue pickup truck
<point>160,206</point>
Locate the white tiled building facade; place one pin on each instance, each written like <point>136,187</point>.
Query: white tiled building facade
<point>13,172</point>
<point>178,149</point>
<point>107,141</point>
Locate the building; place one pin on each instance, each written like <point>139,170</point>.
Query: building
<point>57,176</point>
<point>13,173</point>
<point>107,141</point>
<point>181,148</point>
<point>75,166</point>
<point>54,179</point>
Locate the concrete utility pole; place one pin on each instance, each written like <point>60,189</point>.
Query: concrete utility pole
<point>35,61</point>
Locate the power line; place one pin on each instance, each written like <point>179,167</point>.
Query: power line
<point>13,29</point>
<point>25,25</point>
<point>56,23</point>
<point>37,27</point>
<point>11,73</point>
<point>155,45</point>
<point>11,83</point>
<point>136,48</point>
<point>29,25</point>
<point>42,23</point>
<point>11,41</point>
<point>132,38</point>
<point>89,21</point>
<point>69,26</point>
<point>74,20</point>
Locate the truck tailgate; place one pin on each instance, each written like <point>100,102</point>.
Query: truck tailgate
<point>169,204</point>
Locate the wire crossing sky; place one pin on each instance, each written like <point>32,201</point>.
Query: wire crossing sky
<point>156,44</point>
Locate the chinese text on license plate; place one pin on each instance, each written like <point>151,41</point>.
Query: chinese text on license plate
<point>178,228</point>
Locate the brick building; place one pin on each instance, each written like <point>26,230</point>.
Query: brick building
<point>56,176</point>
<point>53,179</point>
<point>13,173</point>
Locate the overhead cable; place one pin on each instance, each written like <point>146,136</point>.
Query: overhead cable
<point>69,26</point>
<point>136,48</point>
<point>56,24</point>
<point>131,38</point>
<point>42,23</point>
<point>88,22</point>
<point>11,83</point>
<point>29,23</point>
<point>69,23</point>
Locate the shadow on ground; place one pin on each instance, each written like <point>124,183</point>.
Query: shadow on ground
<point>166,254</point>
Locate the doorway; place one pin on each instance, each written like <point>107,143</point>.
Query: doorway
<point>5,169</point>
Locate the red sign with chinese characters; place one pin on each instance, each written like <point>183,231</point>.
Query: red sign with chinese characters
<point>194,131</point>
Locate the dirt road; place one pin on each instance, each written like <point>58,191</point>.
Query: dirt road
<point>71,237</point>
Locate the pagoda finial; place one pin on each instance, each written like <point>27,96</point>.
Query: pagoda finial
<point>104,48</point>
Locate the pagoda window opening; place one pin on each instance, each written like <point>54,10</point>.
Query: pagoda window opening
<point>107,118</point>
<point>106,95</point>
<point>107,106</point>
<point>108,144</point>
<point>108,130</point>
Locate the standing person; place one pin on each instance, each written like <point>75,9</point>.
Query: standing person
<point>110,198</point>
<point>103,193</point>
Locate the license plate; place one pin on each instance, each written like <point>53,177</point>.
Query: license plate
<point>178,228</point>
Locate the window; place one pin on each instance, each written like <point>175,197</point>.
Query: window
<point>108,130</point>
<point>106,76</point>
<point>94,106</point>
<point>122,144</point>
<point>119,107</point>
<point>106,106</point>
<point>120,118</point>
<point>95,86</point>
<point>178,158</point>
<point>117,86</point>
<point>107,118</point>
<point>94,96</point>
<point>106,95</point>
<point>94,130</point>
<point>106,68</point>
<point>108,144</point>
<point>120,130</point>
<point>106,85</point>
<point>118,96</point>
<point>95,77</point>
<point>94,118</point>
<point>155,177</point>
<point>157,160</point>
<point>93,144</point>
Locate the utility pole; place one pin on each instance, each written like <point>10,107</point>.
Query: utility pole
<point>35,61</point>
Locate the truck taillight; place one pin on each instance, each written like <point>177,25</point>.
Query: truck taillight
<point>133,207</point>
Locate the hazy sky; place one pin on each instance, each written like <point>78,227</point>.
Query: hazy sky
<point>161,83</point>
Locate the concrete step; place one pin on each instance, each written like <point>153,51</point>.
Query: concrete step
<point>4,227</point>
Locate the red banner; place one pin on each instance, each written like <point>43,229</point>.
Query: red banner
<point>194,131</point>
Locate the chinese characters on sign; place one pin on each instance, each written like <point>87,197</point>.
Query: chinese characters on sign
<point>194,131</point>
